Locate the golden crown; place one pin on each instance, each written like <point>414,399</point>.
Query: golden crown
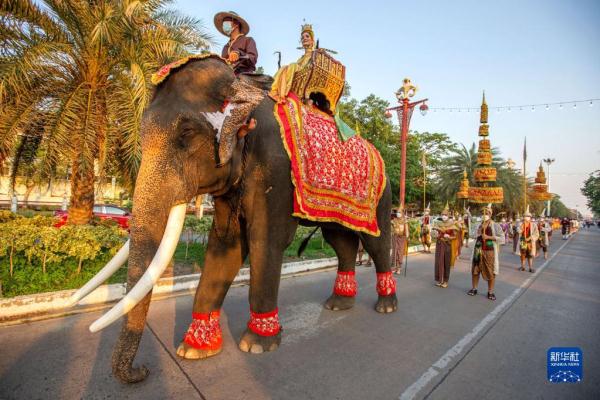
<point>307,28</point>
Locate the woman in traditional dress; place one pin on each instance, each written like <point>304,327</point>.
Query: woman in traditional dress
<point>446,233</point>
<point>283,78</point>
<point>400,236</point>
<point>485,260</point>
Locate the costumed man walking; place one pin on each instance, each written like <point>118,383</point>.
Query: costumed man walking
<point>528,236</point>
<point>485,261</point>
<point>459,237</point>
<point>467,227</point>
<point>240,51</point>
<point>426,231</point>
<point>545,230</point>
<point>565,226</point>
<point>515,235</point>
<point>505,228</point>
<point>400,235</point>
<point>446,233</point>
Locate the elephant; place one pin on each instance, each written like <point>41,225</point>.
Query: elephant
<point>253,219</point>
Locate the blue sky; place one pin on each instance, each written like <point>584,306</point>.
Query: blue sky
<point>520,52</point>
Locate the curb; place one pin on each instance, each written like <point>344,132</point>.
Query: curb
<point>53,304</point>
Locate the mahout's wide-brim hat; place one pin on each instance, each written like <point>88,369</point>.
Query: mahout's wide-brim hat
<point>220,17</point>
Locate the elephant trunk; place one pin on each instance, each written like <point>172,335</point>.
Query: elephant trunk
<point>155,232</point>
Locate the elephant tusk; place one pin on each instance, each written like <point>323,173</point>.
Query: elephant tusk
<point>113,265</point>
<point>159,263</point>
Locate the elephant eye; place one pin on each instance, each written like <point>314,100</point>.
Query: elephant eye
<point>186,136</point>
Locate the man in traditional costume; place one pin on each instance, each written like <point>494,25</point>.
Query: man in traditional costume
<point>426,231</point>
<point>565,226</point>
<point>529,234</point>
<point>515,235</point>
<point>459,237</point>
<point>240,51</point>
<point>485,261</point>
<point>545,230</point>
<point>446,233</point>
<point>467,227</point>
<point>505,228</point>
<point>284,77</point>
<point>400,236</point>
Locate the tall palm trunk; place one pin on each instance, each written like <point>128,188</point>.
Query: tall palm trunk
<point>82,194</point>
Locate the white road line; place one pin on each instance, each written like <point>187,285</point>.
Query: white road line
<point>413,390</point>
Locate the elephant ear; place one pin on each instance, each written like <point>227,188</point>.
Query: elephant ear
<point>243,101</point>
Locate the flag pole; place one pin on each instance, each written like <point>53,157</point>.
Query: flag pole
<point>524,175</point>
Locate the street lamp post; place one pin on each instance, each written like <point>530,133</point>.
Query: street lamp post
<point>404,111</point>
<point>548,161</point>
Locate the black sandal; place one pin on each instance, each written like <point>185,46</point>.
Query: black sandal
<point>491,296</point>
<point>472,292</point>
<point>531,270</point>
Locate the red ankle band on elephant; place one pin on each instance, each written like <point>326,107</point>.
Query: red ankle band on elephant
<point>265,324</point>
<point>345,284</point>
<point>386,285</point>
<point>204,332</point>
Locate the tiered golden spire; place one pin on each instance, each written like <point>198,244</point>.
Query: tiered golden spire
<point>540,188</point>
<point>485,173</point>
<point>463,192</point>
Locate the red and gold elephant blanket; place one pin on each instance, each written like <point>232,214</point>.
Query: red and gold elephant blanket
<point>335,181</point>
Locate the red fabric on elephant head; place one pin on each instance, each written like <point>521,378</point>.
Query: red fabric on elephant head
<point>345,284</point>
<point>334,180</point>
<point>204,332</point>
<point>386,285</point>
<point>265,324</point>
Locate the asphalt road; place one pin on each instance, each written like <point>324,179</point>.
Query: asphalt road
<point>441,344</point>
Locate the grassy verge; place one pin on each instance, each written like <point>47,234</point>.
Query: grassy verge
<point>28,278</point>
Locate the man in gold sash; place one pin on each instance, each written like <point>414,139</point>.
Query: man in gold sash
<point>400,235</point>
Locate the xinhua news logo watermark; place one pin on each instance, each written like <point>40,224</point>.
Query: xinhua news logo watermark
<point>565,364</point>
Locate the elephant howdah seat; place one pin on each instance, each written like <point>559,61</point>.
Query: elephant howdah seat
<point>323,75</point>
<point>334,180</point>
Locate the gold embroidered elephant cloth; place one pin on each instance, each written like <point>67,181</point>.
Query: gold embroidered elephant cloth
<point>334,180</point>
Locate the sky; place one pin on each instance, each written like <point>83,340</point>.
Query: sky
<point>519,52</point>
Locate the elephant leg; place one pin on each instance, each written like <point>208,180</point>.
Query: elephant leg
<point>379,248</point>
<point>267,244</point>
<point>345,244</point>
<point>225,254</point>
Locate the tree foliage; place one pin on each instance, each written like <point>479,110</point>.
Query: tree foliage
<point>75,75</point>
<point>591,190</point>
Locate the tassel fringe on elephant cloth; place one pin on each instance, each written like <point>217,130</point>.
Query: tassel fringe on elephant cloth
<point>265,324</point>
<point>345,284</point>
<point>204,332</point>
<point>334,180</point>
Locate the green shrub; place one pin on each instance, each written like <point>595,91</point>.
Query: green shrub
<point>35,254</point>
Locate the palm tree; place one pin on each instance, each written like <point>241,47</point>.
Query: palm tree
<point>83,67</point>
<point>449,176</point>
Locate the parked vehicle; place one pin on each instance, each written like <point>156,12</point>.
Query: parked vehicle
<point>102,211</point>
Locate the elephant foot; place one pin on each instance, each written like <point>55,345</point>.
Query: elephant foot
<point>257,344</point>
<point>128,374</point>
<point>387,304</point>
<point>337,303</point>
<point>190,353</point>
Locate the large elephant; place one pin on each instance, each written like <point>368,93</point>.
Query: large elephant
<point>253,212</point>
